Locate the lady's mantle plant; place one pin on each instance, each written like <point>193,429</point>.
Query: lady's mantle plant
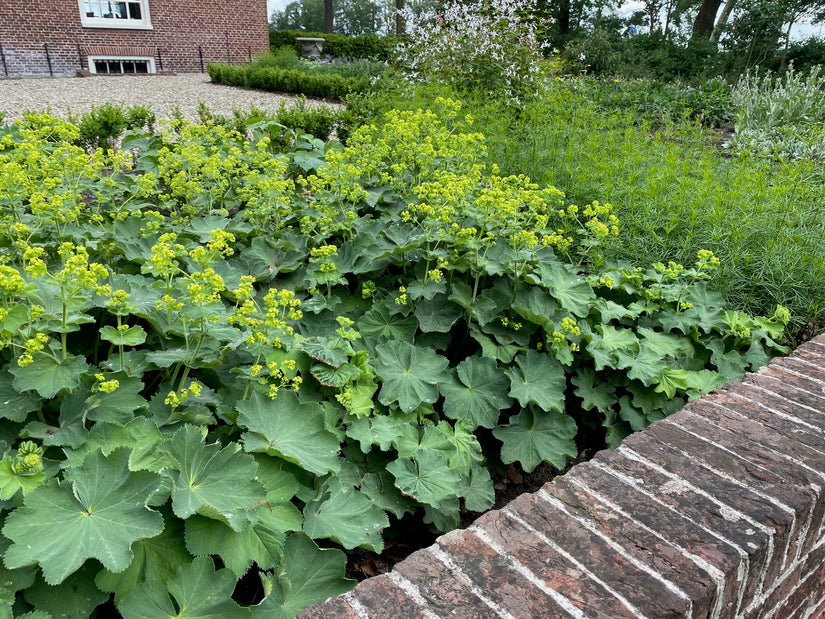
<point>214,353</point>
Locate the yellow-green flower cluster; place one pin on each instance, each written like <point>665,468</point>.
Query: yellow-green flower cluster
<point>165,254</point>
<point>177,398</point>
<point>79,273</point>
<point>10,280</point>
<point>32,346</point>
<point>105,386</point>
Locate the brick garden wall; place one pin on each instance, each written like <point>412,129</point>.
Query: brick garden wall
<point>717,511</point>
<point>226,32</point>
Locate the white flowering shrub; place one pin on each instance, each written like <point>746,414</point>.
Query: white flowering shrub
<point>490,46</point>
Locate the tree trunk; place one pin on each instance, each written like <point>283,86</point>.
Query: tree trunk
<point>400,26</point>
<point>563,17</point>
<point>705,18</point>
<point>723,19</point>
<point>329,15</point>
<point>785,49</point>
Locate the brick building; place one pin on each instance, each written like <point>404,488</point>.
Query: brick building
<point>58,37</point>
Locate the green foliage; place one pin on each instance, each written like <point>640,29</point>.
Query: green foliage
<point>370,46</point>
<point>675,189</point>
<point>708,103</point>
<point>105,124</point>
<point>780,117</point>
<point>180,388</point>
<point>331,78</point>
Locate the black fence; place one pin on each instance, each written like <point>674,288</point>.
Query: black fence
<point>63,60</point>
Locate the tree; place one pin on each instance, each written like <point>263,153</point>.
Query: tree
<point>306,15</point>
<point>329,16</point>
<point>705,19</point>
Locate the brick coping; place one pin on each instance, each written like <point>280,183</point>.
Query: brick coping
<point>716,511</point>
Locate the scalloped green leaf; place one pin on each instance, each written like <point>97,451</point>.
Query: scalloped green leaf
<point>477,490</point>
<point>16,406</point>
<point>261,542</point>
<point>670,381</point>
<point>306,575</point>
<point>98,512</point>
<point>410,373</point>
<point>133,336</point>
<point>198,591</point>
<point>427,477</point>
<point>479,394</point>
<point>156,560</point>
<point>329,376</point>
<point>595,393</point>
<point>289,429</point>
<point>570,288</point>
<point>211,481</point>
<point>379,322</point>
<point>436,315</point>
<point>11,482</point>
<point>48,375</point>
<point>119,406</point>
<point>348,518</point>
<point>76,596</point>
<point>538,378</point>
<point>535,436</point>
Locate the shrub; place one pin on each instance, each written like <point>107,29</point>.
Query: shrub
<point>480,46</point>
<point>105,124</point>
<point>780,117</point>
<point>283,71</point>
<point>338,45</point>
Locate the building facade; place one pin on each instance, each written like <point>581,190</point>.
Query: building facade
<point>60,37</point>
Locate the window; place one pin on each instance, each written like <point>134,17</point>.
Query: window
<point>107,64</point>
<point>115,14</point>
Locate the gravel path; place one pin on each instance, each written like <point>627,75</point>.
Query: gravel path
<point>159,92</point>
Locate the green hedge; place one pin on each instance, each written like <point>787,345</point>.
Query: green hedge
<point>338,45</point>
<point>324,85</point>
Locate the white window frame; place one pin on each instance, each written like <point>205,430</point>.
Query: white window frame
<point>144,23</point>
<point>148,59</point>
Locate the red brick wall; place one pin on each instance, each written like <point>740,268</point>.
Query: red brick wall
<point>226,32</point>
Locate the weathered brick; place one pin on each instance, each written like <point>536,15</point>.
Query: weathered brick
<point>814,372</point>
<point>778,479</point>
<point>649,547</point>
<point>758,425</point>
<point>386,600</point>
<point>178,29</point>
<point>494,575</point>
<point>444,593</point>
<point>801,582</point>
<point>333,608</point>
<point>783,527</point>
<point>677,526</point>
<point>810,418</point>
<point>577,547</point>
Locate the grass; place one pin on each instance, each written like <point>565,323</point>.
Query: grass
<point>676,189</point>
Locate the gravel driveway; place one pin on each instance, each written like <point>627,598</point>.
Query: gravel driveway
<point>159,92</point>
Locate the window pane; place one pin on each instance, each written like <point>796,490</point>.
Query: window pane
<point>134,10</point>
<point>141,66</point>
<point>128,66</point>
<point>114,66</point>
<point>101,66</point>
